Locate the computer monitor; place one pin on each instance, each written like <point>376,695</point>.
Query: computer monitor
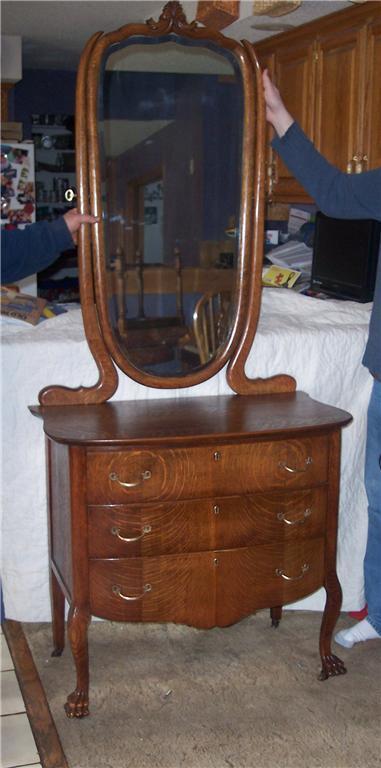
<point>345,256</point>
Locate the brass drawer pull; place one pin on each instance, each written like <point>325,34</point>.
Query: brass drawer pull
<point>281,573</point>
<point>144,476</point>
<point>116,532</point>
<point>283,465</point>
<point>116,590</point>
<point>298,521</point>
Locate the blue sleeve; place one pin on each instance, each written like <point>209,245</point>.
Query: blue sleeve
<point>30,250</point>
<point>337,194</point>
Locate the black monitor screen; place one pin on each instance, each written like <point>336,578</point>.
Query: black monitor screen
<point>345,254</point>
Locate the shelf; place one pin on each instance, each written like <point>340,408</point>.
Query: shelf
<point>58,172</point>
<point>41,127</point>
<point>54,150</point>
<point>59,204</point>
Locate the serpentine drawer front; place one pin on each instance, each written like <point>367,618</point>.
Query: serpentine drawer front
<point>202,524</point>
<point>133,475</point>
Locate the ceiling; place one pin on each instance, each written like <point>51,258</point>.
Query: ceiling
<point>54,32</point>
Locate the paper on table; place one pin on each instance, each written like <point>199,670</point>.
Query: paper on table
<point>296,220</point>
<point>292,255</point>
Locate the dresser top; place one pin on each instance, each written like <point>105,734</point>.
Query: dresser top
<point>188,419</point>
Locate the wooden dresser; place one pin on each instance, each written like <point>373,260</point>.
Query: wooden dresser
<point>197,510</point>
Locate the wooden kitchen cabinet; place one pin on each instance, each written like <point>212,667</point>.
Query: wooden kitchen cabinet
<point>328,73</point>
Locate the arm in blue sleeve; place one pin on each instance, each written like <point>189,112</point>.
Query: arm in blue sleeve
<point>30,250</point>
<point>337,194</point>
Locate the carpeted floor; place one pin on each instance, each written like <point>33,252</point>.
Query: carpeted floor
<point>244,697</point>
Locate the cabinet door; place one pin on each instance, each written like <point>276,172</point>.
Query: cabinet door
<point>340,97</point>
<point>295,77</point>
<point>372,125</point>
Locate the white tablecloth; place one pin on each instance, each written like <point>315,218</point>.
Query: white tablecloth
<point>320,343</point>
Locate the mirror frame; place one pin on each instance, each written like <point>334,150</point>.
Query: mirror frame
<point>92,266</point>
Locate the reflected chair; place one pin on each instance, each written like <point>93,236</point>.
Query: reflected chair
<point>210,323</point>
<point>151,339</point>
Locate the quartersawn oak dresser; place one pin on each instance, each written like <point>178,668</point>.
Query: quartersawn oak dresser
<point>198,510</point>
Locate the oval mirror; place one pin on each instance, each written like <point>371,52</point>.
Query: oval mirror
<point>169,121</point>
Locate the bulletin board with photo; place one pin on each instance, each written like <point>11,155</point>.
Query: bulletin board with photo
<point>18,198</point>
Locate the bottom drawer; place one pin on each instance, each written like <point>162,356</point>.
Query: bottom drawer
<point>205,589</point>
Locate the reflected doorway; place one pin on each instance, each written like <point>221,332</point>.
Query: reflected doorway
<point>145,211</point>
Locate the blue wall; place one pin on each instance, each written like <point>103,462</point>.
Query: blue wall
<point>42,91</point>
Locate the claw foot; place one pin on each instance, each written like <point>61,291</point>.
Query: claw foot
<point>332,666</point>
<point>77,704</point>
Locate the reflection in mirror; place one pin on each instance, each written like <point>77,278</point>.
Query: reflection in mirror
<point>170,127</point>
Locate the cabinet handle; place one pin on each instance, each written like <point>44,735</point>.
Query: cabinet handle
<point>116,590</point>
<point>357,159</point>
<point>283,465</point>
<point>116,532</point>
<point>304,569</point>
<point>299,520</point>
<point>144,476</point>
<point>270,179</point>
<point>271,175</point>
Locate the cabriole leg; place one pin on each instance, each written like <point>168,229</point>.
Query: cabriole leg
<point>77,704</point>
<point>331,664</point>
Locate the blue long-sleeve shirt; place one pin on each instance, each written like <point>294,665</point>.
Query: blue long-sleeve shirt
<point>343,196</point>
<point>27,251</point>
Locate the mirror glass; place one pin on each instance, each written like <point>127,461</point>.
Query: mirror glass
<point>170,131</point>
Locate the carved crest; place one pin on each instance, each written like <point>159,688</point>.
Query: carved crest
<point>172,19</point>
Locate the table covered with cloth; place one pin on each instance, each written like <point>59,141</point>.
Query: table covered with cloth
<point>319,342</point>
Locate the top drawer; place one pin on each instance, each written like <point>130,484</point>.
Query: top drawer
<point>138,475</point>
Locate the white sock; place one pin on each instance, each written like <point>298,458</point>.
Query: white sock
<point>356,634</point>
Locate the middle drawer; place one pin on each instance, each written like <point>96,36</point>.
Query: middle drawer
<point>204,524</point>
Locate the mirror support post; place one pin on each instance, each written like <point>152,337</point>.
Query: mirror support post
<point>236,375</point>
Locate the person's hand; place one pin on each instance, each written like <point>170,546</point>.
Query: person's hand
<point>276,112</point>
<point>73,221</point>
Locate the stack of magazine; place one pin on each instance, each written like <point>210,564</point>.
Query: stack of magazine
<point>291,265</point>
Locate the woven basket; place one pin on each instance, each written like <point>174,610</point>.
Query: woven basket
<point>275,7</point>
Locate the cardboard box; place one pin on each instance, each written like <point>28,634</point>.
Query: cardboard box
<point>11,131</point>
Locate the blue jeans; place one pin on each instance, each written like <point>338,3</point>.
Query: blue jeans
<point>372,562</point>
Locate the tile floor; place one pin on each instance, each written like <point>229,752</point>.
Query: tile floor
<point>18,748</point>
